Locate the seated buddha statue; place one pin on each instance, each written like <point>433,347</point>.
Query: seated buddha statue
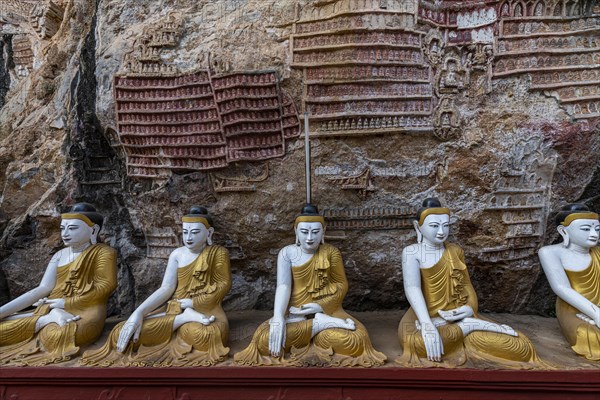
<point>308,320</point>
<point>573,270</point>
<point>442,327</point>
<point>182,323</point>
<point>69,305</point>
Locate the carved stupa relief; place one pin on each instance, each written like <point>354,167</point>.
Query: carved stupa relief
<point>145,57</point>
<point>363,68</point>
<point>362,183</point>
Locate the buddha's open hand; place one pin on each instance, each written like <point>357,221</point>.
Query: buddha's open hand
<point>433,342</point>
<point>276,336</point>
<point>131,328</point>
<point>56,303</point>
<point>186,303</point>
<point>40,302</point>
<point>456,314</point>
<point>306,309</point>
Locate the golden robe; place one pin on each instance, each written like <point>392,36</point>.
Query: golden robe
<point>321,280</point>
<point>583,337</point>
<point>206,281</point>
<point>447,286</point>
<point>86,284</point>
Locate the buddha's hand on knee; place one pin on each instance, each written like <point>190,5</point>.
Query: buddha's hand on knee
<point>433,342</point>
<point>56,303</point>
<point>276,336</point>
<point>186,303</point>
<point>456,314</point>
<point>40,302</point>
<point>131,329</point>
<point>597,316</point>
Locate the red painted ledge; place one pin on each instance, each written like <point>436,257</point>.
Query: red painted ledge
<point>294,383</point>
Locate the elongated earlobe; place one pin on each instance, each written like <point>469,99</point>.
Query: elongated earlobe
<point>323,238</point>
<point>419,234</point>
<point>209,240</point>
<point>297,240</point>
<point>94,235</point>
<point>564,234</point>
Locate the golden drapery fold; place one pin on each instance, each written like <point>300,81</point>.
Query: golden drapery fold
<point>206,281</point>
<point>583,337</point>
<point>321,280</point>
<point>85,284</point>
<point>447,286</point>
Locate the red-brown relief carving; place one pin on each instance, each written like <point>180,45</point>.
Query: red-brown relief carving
<point>201,122</point>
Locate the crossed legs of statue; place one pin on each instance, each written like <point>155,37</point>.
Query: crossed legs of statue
<point>191,315</point>
<point>323,321</point>
<point>55,316</point>
<point>469,324</point>
<point>188,315</point>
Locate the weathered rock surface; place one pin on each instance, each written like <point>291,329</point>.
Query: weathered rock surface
<point>514,153</point>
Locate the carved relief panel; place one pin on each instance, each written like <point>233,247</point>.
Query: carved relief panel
<point>22,55</point>
<point>558,47</point>
<point>522,196</point>
<point>363,68</point>
<point>169,121</point>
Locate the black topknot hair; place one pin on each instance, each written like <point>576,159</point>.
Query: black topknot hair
<point>199,211</point>
<point>430,202</point>
<point>569,209</point>
<point>89,211</point>
<point>309,209</point>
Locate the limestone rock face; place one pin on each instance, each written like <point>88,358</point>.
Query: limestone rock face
<point>146,108</point>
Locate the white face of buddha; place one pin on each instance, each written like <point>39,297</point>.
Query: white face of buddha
<point>195,235</point>
<point>435,228</point>
<point>584,232</point>
<point>310,235</point>
<point>75,232</point>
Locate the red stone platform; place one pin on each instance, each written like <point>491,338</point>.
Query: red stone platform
<point>278,383</point>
